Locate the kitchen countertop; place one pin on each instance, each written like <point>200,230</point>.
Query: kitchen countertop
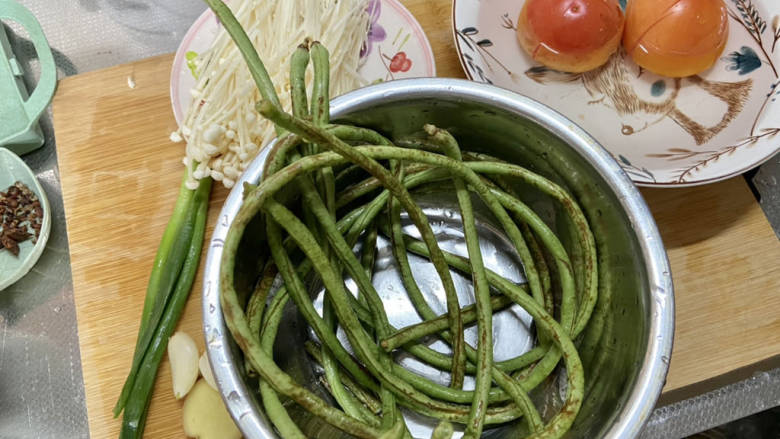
<point>40,369</point>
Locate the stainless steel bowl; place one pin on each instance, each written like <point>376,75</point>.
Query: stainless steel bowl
<point>627,371</point>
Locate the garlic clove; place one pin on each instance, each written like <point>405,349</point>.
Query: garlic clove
<point>205,371</point>
<point>183,356</point>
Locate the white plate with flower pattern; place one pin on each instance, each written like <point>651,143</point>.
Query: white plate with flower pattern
<point>663,131</point>
<point>396,48</point>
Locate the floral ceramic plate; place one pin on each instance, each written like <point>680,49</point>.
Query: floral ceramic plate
<point>663,131</point>
<point>396,48</point>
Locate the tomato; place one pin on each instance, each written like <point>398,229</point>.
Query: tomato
<point>676,38</point>
<point>570,35</point>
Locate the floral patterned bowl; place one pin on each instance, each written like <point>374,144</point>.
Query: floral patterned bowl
<point>396,48</point>
<point>663,131</point>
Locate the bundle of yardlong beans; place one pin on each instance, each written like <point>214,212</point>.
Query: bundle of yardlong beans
<point>327,187</point>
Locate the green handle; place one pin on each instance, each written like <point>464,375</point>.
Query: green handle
<point>40,97</point>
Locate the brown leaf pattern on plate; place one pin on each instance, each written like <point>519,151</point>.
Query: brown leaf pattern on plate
<point>714,156</point>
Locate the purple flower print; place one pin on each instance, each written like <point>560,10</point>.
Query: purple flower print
<point>376,33</point>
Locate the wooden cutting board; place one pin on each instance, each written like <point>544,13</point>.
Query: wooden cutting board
<point>120,176</point>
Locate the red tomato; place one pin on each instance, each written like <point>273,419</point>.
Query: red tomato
<point>676,38</point>
<point>570,35</point>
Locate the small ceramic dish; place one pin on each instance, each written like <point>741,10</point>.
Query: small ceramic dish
<point>663,131</point>
<point>397,48</point>
<point>13,268</point>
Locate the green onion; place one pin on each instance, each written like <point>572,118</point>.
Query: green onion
<point>185,229</point>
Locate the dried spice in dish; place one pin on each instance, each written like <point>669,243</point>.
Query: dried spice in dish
<point>21,216</point>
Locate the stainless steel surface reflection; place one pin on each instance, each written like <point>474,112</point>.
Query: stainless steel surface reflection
<point>626,372</point>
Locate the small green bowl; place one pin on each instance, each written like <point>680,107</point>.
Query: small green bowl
<point>13,268</point>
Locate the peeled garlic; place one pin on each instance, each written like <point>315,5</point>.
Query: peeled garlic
<point>205,371</point>
<point>183,355</point>
<point>205,416</point>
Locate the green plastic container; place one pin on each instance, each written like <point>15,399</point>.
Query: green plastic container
<point>20,111</point>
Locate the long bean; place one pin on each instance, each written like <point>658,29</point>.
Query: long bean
<point>425,354</point>
<point>256,67</point>
<point>309,245</point>
<point>490,165</point>
<point>301,127</point>
<point>369,401</point>
<point>481,289</point>
<point>324,216</point>
<point>365,349</point>
<point>458,364</point>
<point>303,202</point>
<point>345,399</point>
<point>271,402</point>
<point>438,324</point>
<point>323,137</point>
<point>298,166</point>
<point>290,222</point>
<point>329,159</point>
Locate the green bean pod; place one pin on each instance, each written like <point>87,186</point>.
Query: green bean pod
<point>313,218</point>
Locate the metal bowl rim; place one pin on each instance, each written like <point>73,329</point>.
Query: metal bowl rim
<point>651,377</point>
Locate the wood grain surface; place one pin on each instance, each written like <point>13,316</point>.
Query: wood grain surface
<point>120,175</point>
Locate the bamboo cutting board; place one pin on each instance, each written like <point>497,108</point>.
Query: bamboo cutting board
<point>120,176</point>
